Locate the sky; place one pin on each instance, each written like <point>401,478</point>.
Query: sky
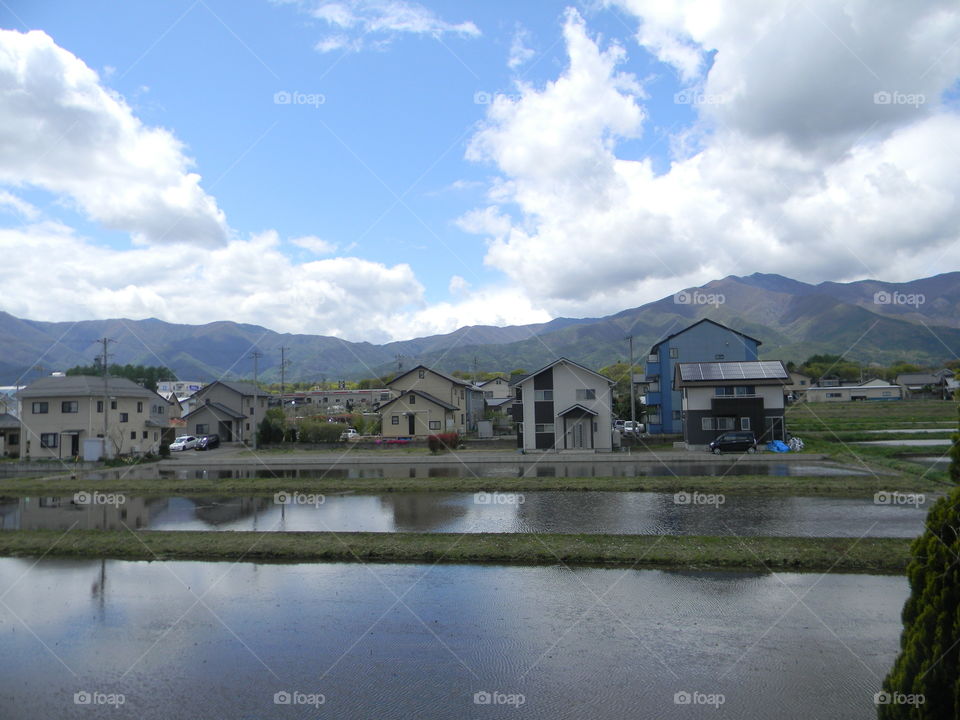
<point>385,169</point>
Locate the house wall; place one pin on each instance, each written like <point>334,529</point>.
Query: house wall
<point>497,388</point>
<point>847,393</point>
<point>209,417</point>
<point>10,442</point>
<point>440,388</point>
<point>131,437</point>
<point>705,342</point>
<point>563,380</point>
<point>424,412</point>
<point>759,409</point>
<point>235,401</point>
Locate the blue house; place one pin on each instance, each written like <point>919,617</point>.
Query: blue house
<point>704,341</point>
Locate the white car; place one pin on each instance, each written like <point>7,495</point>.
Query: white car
<point>349,434</point>
<point>633,428</point>
<point>184,442</point>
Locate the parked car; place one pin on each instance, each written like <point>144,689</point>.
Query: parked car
<point>618,425</point>
<point>738,441</point>
<point>349,434</point>
<point>632,428</point>
<point>184,442</point>
<point>207,442</point>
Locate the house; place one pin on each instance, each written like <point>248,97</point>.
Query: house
<point>61,414</point>
<point>180,388</point>
<point>923,385</point>
<point>466,397</point>
<point>9,435</point>
<point>799,384</point>
<point>722,396</point>
<point>873,390</point>
<point>415,413</point>
<point>496,389</point>
<point>564,406</point>
<point>228,409</point>
<point>704,341</point>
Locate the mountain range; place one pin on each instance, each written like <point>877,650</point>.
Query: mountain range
<point>866,320</point>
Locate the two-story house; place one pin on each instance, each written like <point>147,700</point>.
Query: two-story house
<point>228,409</point>
<point>704,341</point>
<point>461,403</point>
<point>564,406</point>
<point>61,414</point>
<point>723,396</point>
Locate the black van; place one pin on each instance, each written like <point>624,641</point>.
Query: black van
<point>739,441</point>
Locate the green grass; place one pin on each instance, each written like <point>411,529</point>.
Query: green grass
<point>806,417</point>
<point>757,485</point>
<point>874,555</point>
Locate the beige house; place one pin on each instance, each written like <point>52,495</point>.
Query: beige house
<point>872,390</point>
<point>60,415</point>
<point>418,414</point>
<point>9,435</point>
<point>228,409</point>
<point>496,389</point>
<point>465,399</point>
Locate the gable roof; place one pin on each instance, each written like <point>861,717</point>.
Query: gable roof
<point>454,380</point>
<point>426,396</point>
<point>486,382</point>
<point>239,387</point>
<point>85,386</point>
<point>559,360</point>
<point>700,322</point>
<point>708,374</point>
<point>919,379</point>
<point>218,408</point>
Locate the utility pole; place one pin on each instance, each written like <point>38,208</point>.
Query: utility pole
<point>633,402</point>
<point>283,372</point>
<point>105,365</point>
<point>256,355</point>
<point>399,358</point>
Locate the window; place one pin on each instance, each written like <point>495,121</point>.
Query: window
<point>139,406</point>
<point>202,428</point>
<point>113,404</point>
<point>745,390</point>
<point>40,408</point>
<point>99,406</point>
<point>586,394</point>
<point>744,423</point>
<point>248,427</point>
<point>155,435</point>
<point>462,418</point>
<point>544,428</point>
<point>721,391</point>
<point>803,382</point>
<point>653,358</point>
<point>133,434</point>
<point>48,440</point>
<point>13,438</point>
<point>434,424</point>
<point>145,434</point>
<point>124,417</point>
<point>394,419</point>
<point>834,395</point>
<point>421,374</point>
<point>251,409</point>
<point>70,406</point>
<point>520,428</point>
<point>412,399</point>
<point>543,395</point>
<point>677,415</point>
<point>720,423</point>
<point>384,396</point>
<point>674,352</point>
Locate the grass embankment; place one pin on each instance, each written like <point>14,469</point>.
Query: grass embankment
<point>757,485</point>
<point>853,416</point>
<point>875,555</point>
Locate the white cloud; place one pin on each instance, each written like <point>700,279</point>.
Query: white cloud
<point>458,285</point>
<point>318,246</point>
<point>19,206</point>
<point>62,131</point>
<point>797,171</point>
<point>520,53</point>
<point>360,24</point>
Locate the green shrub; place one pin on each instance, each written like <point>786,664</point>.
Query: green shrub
<point>319,431</point>
<point>448,441</point>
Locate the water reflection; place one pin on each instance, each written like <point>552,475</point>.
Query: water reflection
<point>337,629</point>
<point>533,512</point>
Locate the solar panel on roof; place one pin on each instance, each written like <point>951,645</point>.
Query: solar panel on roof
<point>732,371</point>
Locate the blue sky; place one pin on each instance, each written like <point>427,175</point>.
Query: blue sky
<point>440,164</point>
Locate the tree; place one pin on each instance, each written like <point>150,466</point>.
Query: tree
<point>272,427</point>
<point>148,375</point>
<point>929,660</point>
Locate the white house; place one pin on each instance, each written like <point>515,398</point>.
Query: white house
<point>564,406</point>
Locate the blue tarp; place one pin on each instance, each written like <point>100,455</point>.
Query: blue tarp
<point>777,446</point>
